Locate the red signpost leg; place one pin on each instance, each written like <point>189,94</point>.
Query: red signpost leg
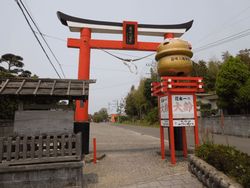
<point>161,132</point>
<point>94,148</point>
<point>81,113</point>
<point>171,130</point>
<point>172,147</point>
<point>184,142</point>
<point>162,142</point>
<point>196,131</point>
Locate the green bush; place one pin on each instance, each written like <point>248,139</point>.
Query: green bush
<point>152,116</point>
<point>228,160</point>
<point>121,119</point>
<point>7,107</point>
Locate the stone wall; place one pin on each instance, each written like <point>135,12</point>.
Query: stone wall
<point>209,175</point>
<point>38,122</point>
<point>43,122</point>
<point>233,125</point>
<point>56,175</point>
<point>6,128</point>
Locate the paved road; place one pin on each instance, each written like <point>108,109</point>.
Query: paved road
<point>240,143</point>
<point>132,161</point>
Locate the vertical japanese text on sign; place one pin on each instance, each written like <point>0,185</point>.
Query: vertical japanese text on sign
<point>164,107</point>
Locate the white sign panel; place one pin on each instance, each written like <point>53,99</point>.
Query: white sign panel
<point>182,106</point>
<point>179,123</point>
<point>164,107</point>
<point>184,123</point>
<point>165,123</point>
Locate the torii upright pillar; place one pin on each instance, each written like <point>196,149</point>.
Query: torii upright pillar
<point>81,114</point>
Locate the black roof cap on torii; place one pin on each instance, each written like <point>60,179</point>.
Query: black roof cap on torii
<point>75,24</point>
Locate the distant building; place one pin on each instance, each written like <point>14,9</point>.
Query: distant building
<point>113,118</point>
<point>207,98</point>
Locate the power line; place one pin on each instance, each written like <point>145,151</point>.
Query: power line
<point>220,43</point>
<point>63,40</point>
<point>223,40</point>
<point>43,38</point>
<point>114,70</point>
<point>126,61</point>
<point>50,36</point>
<point>129,55</point>
<point>223,26</point>
<point>37,39</point>
<point>116,85</point>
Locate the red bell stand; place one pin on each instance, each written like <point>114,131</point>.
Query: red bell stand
<point>180,91</point>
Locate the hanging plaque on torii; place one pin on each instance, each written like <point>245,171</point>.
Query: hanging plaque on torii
<point>129,30</point>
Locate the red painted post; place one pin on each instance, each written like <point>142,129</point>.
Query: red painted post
<point>161,132</point>
<point>184,142</point>
<point>171,129</point>
<point>81,113</point>
<point>94,148</point>
<point>162,142</point>
<point>196,131</point>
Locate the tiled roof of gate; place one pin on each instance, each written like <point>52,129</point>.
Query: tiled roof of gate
<point>60,88</point>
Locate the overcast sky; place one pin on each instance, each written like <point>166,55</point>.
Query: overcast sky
<point>213,20</point>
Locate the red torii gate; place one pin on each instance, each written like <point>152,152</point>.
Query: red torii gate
<point>130,32</point>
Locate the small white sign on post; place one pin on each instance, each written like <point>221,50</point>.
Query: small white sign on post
<point>182,106</point>
<point>178,123</point>
<point>165,122</point>
<point>164,107</point>
<point>184,123</point>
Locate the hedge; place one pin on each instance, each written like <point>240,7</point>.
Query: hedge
<point>227,159</point>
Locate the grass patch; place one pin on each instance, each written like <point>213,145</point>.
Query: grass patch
<point>227,159</point>
<point>140,123</point>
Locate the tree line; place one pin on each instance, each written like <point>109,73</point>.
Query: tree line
<point>229,78</point>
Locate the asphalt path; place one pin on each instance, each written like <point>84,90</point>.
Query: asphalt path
<point>132,160</point>
<point>241,143</point>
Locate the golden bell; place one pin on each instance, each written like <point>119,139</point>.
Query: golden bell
<point>174,57</point>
